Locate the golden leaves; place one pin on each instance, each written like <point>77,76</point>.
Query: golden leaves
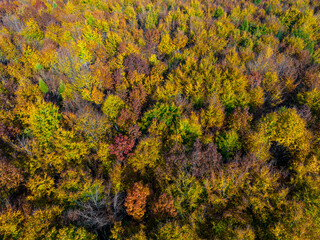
<point>32,31</point>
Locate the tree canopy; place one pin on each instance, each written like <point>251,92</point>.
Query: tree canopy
<point>160,119</point>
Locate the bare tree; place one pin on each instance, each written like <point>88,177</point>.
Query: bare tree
<point>98,212</point>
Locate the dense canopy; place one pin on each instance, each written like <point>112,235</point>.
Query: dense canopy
<point>160,119</point>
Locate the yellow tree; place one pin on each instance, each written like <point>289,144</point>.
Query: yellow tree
<point>286,128</point>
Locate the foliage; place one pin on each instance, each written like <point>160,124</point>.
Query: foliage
<point>188,193</point>
<point>38,224</point>
<point>136,201</point>
<point>173,231</point>
<point>285,127</point>
<point>10,224</point>
<point>213,116</point>
<point>164,207</point>
<point>75,186</point>
<point>176,119</point>
<point>112,107</point>
<point>161,119</point>
<point>62,88</point>
<point>41,188</point>
<point>10,178</point>
<point>190,129</point>
<point>44,121</point>
<point>228,143</point>
<point>43,86</point>
<point>147,155</point>
<point>122,147</point>
<point>70,233</point>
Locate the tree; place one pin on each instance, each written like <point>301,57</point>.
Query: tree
<point>39,224</point>
<point>173,231</point>
<point>166,46</point>
<point>187,192</point>
<point>94,212</point>
<point>76,186</point>
<point>189,129</point>
<point>136,201</point>
<point>32,31</point>
<point>44,121</point>
<point>41,188</point>
<point>147,155</point>
<point>112,107</point>
<point>228,143</point>
<point>161,120</point>
<point>93,125</point>
<point>10,178</point>
<point>135,63</point>
<point>43,86</point>
<point>11,224</point>
<point>213,116</point>
<point>241,185</point>
<point>122,147</point>
<point>284,126</point>
<point>70,233</point>
<point>164,207</point>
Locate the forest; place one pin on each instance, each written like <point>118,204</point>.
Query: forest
<point>160,119</point>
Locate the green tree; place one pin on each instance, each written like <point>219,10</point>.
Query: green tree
<point>44,121</point>
<point>43,86</point>
<point>228,143</point>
